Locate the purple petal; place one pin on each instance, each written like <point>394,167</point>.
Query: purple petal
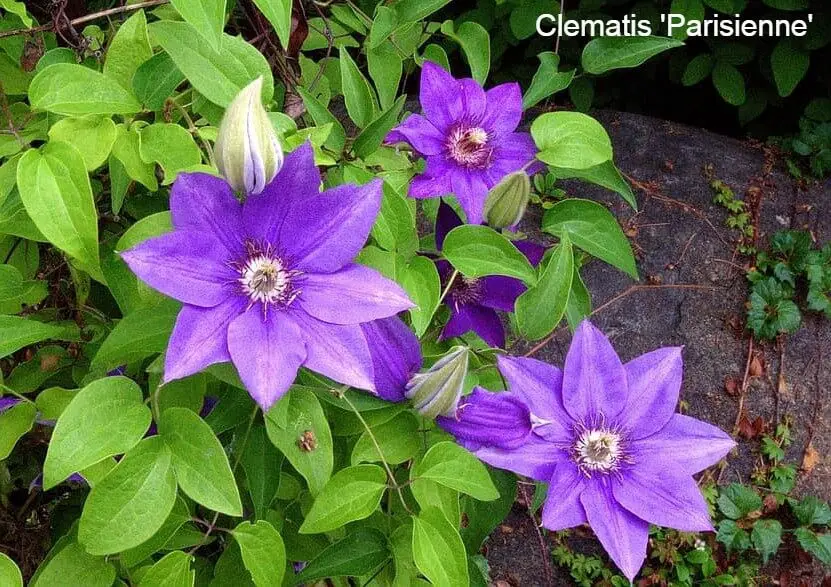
<point>435,181</point>
<point>267,352</point>
<point>663,496</point>
<point>298,181</point>
<point>351,295</point>
<point>8,402</point>
<point>206,204</point>
<point>446,220</point>
<point>200,338</point>
<point>622,534</point>
<point>440,95</point>
<point>513,152</point>
<point>536,458</point>
<point>188,266</point>
<point>420,134</point>
<point>339,352</point>
<point>504,108</point>
<point>471,191</point>
<point>474,101</point>
<point>396,356</point>
<point>540,386</point>
<point>532,251</point>
<point>483,321</point>
<point>690,445</point>
<point>500,292</point>
<point>594,382</point>
<point>562,507</point>
<point>328,230</point>
<point>484,418</point>
<point>654,382</point>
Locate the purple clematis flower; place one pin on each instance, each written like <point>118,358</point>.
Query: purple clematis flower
<point>473,301</point>
<point>270,284</point>
<point>396,356</point>
<point>467,136</point>
<point>606,438</point>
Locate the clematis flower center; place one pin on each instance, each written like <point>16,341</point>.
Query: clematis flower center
<point>468,146</point>
<point>265,277</point>
<point>599,450</point>
<point>466,290</point>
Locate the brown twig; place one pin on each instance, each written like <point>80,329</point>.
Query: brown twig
<point>546,555</point>
<point>743,389</point>
<point>83,19</point>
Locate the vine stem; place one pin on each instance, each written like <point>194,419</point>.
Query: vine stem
<point>342,394</point>
<point>83,19</point>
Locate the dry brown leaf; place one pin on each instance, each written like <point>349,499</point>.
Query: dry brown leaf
<point>810,458</point>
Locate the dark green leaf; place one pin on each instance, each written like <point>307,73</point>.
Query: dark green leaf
<point>606,53</point>
<point>360,553</point>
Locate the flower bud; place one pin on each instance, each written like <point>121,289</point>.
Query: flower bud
<point>484,418</point>
<point>437,391</point>
<point>507,200</point>
<point>247,151</point>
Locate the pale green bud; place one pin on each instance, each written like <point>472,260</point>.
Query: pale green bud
<point>247,150</point>
<point>508,200</point>
<point>437,391</point>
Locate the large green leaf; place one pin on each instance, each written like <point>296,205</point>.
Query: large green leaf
<point>108,417</point>
<point>398,439</point>
<point>729,82</point>
<point>171,146</point>
<point>217,75</point>
<point>416,10</point>
<point>605,175</point>
<point>93,136</point>
<point>359,553</point>
<point>155,80</point>
<point>126,153</point>
<point>547,80</point>
<point>128,50</point>
<point>55,189</point>
<point>606,53</point>
<point>540,308</point>
<point>476,45</point>
<point>206,16</point>
<point>420,278</point>
<point>278,13</point>
<point>304,418</point>
<point>360,102</point>
<point>592,227</point>
<point>790,63</point>
<point>132,502</point>
<point>17,332</point>
<point>202,468</point>
<point>571,139</point>
<point>263,552</point>
<point>261,462</point>
<point>9,573</point>
<point>72,565</point>
<point>351,494</point>
<point>450,465</point>
<point>477,251</point>
<point>178,517</point>
<point>438,549</point>
<point>14,423</point>
<point>67,88</point>
<point>172,570</point>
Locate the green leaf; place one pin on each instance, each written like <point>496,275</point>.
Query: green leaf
<point>450,465</point>
<point>321,116</point>
<point>395,229</point>
<point>360,103</point>
<point>607,53</point>
<point>483,517</point>
<point>17,332</point>
<point>9,573</point>
<point>217,75</point>
<point>431,494</point>
<point>171,146</point>
<point>385,67</point>
<point>416,10</point>
<point>384,23</point>
<point>278,13</point>
<point>132,502</point>
<point>71,89</point>
<point>540,308</point>
<point>579,304</point>
<point>178,517</point>
<point>817,544</point>
<point>107,417</point>
<point>304,416</point>
<point>15,80</point>
<point>71,565</point>
<point>261,461</point>
<point>605,175</point>
<point>202,468</point>
<point>93,136</point>
<point>173,570</point>
<point>55,189</point>
<point>548,80</point>
<point>351,494</point>
<point>729,82</point>
<point>438,550</point>
<point>591,227</point>
<point>18,8</point>
<point>811,511</point>
<point>206,16</point>
<point>736,501</point>
<point>398,439</point>
<point>691,10</point>
<point>571,139</point>
<point>475,43</point>
<point>698,69</point>
<point>262,552</point>
<point>733,537</point>
<point>766,537</point>
<point>142,333</point>
<point>373,135</point>
<point>420,279</point>
<point>125,152</point>
<point>11,282</point>
<point>477,251</point>
<point>14,423</point>
<point>358,554</point>
<point>790,64</point>
<point>128,50</point>
<point>155,80</point>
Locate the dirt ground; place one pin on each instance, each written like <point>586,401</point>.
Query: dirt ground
<point>692,293</point>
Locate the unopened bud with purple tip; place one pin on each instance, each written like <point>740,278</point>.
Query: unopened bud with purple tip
<point>436,392</point>
<point>247,151</point>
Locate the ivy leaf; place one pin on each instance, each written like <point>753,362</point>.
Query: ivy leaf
<point>263,552</point>
<point>351,494</point>
<point>766,537</point>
